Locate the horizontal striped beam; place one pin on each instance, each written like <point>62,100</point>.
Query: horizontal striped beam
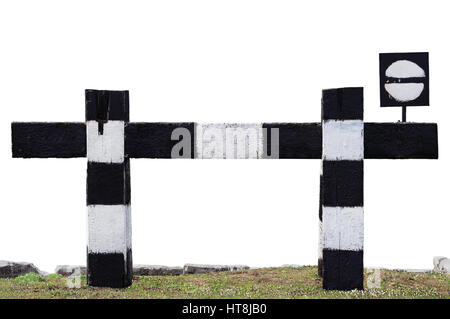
<point>44,140</point>
<point>400,140</point>
<point>296,140</point>
<point>153,140</point>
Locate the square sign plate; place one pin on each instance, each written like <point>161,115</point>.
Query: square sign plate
<point>404,79</point>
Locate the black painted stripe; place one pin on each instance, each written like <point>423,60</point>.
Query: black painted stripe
<point>400,140</point>
<point>44,140</point>
<point>108,183</point>
<point>343,183</point>
<point>343,269</point>
<point>404,80</point>
<point>109,269</point>
<point>320,267</point>
<point>153,140</point>
<point>107,105</point>
<point>297,140</point>
<point>342,104</point>
<point>320,196</point>
<point>127,190</point>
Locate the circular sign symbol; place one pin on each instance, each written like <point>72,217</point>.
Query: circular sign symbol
<point>401,84</point>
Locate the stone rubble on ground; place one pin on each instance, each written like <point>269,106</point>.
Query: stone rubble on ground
<point>414,271</point>
<point>202,269</point>
<point>159,270</point>
<point>441,264</point>
<point>9,269</point>
<point>156,270</point>
<point>68,270</point>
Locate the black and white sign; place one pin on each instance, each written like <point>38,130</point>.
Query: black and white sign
<point>404,79</point>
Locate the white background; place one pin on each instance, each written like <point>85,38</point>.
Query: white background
<point>218,61</point>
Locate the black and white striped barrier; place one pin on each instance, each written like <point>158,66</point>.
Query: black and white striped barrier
<point>342,141</point>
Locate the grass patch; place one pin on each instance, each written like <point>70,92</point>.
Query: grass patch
<point>29,278</point>
<point>259,283</point>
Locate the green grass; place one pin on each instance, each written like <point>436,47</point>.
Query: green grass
<point>259,283</point>
<point>29,278</point>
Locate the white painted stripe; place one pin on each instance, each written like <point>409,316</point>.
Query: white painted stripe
<point>343,228</point>
<point>404,92</point>
<point>109,228</point>
<point>106,148</point>
<point>229,141</point>
<point>405,69</point>
<point>343,140</point>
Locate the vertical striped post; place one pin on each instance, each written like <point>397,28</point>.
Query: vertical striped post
<point>109,261</point>
<point>342,188</point>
